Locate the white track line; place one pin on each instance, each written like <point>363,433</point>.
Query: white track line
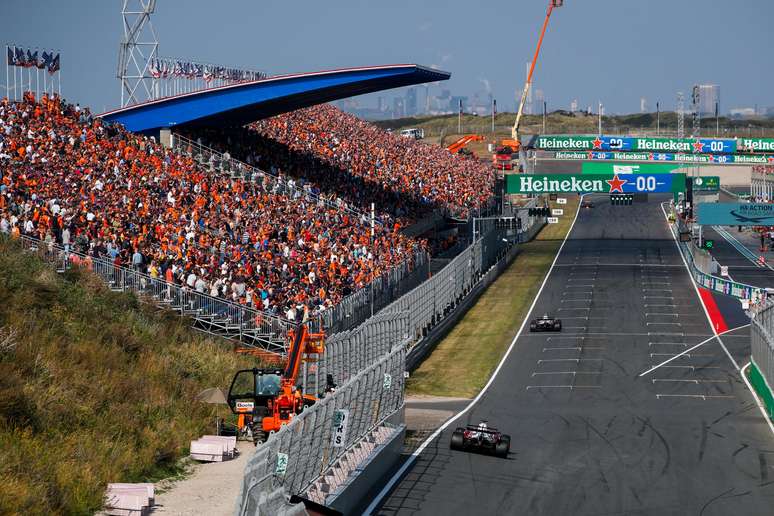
<point>413,457</point>
<point>691,349</point>
<point>755,397</point>
<point>696,289</point>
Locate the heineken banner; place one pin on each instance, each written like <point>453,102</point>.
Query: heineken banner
<point>594,183</point>
<point>631,144</point>
<point>611,167</point>
<point>735,214</point>
<point>722,159</point>
<point>755,144</point>
<point>706,184</point>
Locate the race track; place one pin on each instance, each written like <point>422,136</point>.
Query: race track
<point>589,434</point>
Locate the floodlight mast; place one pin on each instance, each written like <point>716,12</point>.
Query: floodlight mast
<point>528,84</point>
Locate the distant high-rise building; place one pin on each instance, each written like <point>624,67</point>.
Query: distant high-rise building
<point>398,108</point>
<point>709,95</point>
<point>643,105</point>
<point>574,105</point>
<point>411,101</point>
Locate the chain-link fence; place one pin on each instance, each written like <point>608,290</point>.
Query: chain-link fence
<point>302,451</point>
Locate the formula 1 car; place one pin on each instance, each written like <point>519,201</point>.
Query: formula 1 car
<point>546,323</point>
<point>587,204</point>
<point>481,438</point>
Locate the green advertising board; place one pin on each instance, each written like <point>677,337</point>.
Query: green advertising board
<point>755,144</point>
<point>611,167</point>
<point>706,184</point>
<point>594,183</point>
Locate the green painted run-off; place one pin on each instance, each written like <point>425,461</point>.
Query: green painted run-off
<point>761,388</point>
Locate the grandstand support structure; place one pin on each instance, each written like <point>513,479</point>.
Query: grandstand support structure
<point>138,48</point>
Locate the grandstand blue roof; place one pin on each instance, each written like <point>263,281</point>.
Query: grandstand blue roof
<point>240,104</point>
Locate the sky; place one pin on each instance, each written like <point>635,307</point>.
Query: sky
<point>595,50</point>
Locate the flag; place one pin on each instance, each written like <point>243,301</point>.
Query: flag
<point>178,69</point>
<point>54,66</point>
<point>41,63</point>
<point>45,60</point>
<point>32,59</point>
<point>153,69</point>
<point>716,109</point>
<point>20,59</point>
<point>10,58</point>
<point>494,107</point>
<point>460,106</point>
<point>207,74</point>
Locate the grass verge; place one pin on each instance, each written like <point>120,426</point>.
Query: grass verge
<point>95,387</point>
<point>464,360</point>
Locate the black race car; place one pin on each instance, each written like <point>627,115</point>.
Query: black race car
<point>481,438</point>
<point>546,323</point>
<point>587,204</point>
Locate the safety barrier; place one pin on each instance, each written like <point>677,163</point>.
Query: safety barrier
<point>762,349</point>
<point>724,286</point>
<point>304,450</point>
<point>383,290</point>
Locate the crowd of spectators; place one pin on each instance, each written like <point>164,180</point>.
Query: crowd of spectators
<point>68,178</point>
<point>309,173</point>
<point>414,172</point>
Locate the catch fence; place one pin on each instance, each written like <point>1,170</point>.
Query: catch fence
<point>762,350</point>
<point>303,451</point>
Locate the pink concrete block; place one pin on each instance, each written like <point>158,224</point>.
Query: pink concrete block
<point>207,451</point>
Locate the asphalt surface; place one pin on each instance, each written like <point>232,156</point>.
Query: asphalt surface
<point>740,268</point>
<point>591,436</point>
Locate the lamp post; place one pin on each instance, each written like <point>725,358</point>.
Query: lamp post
<point>658,120</point>
<point>599,113</point>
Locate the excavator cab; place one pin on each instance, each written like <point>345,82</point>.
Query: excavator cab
<point>251,396</point>
<point>266,399</point>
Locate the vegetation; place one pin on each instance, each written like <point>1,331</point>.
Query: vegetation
<point>446,127</point>
<point>95,387</point>
<point>485,332</point>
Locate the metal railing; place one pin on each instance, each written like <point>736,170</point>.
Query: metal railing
<point>213,315</point>
<point>301,452</point>
<point>718,284</point>
<point>357,307</point>
<point>349,352</point>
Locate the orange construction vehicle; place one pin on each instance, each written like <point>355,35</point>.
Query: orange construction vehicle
<point>459,145</point>
<point>266,399</point>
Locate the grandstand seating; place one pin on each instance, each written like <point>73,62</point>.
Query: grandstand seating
<point>421,173</point>
<point>69,179</point>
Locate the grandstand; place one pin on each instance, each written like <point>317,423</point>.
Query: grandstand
<point>291,243</point>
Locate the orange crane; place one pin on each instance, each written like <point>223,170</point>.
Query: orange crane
<point>515,142</point>
<point>460,144</point>
<point>266,399</point>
